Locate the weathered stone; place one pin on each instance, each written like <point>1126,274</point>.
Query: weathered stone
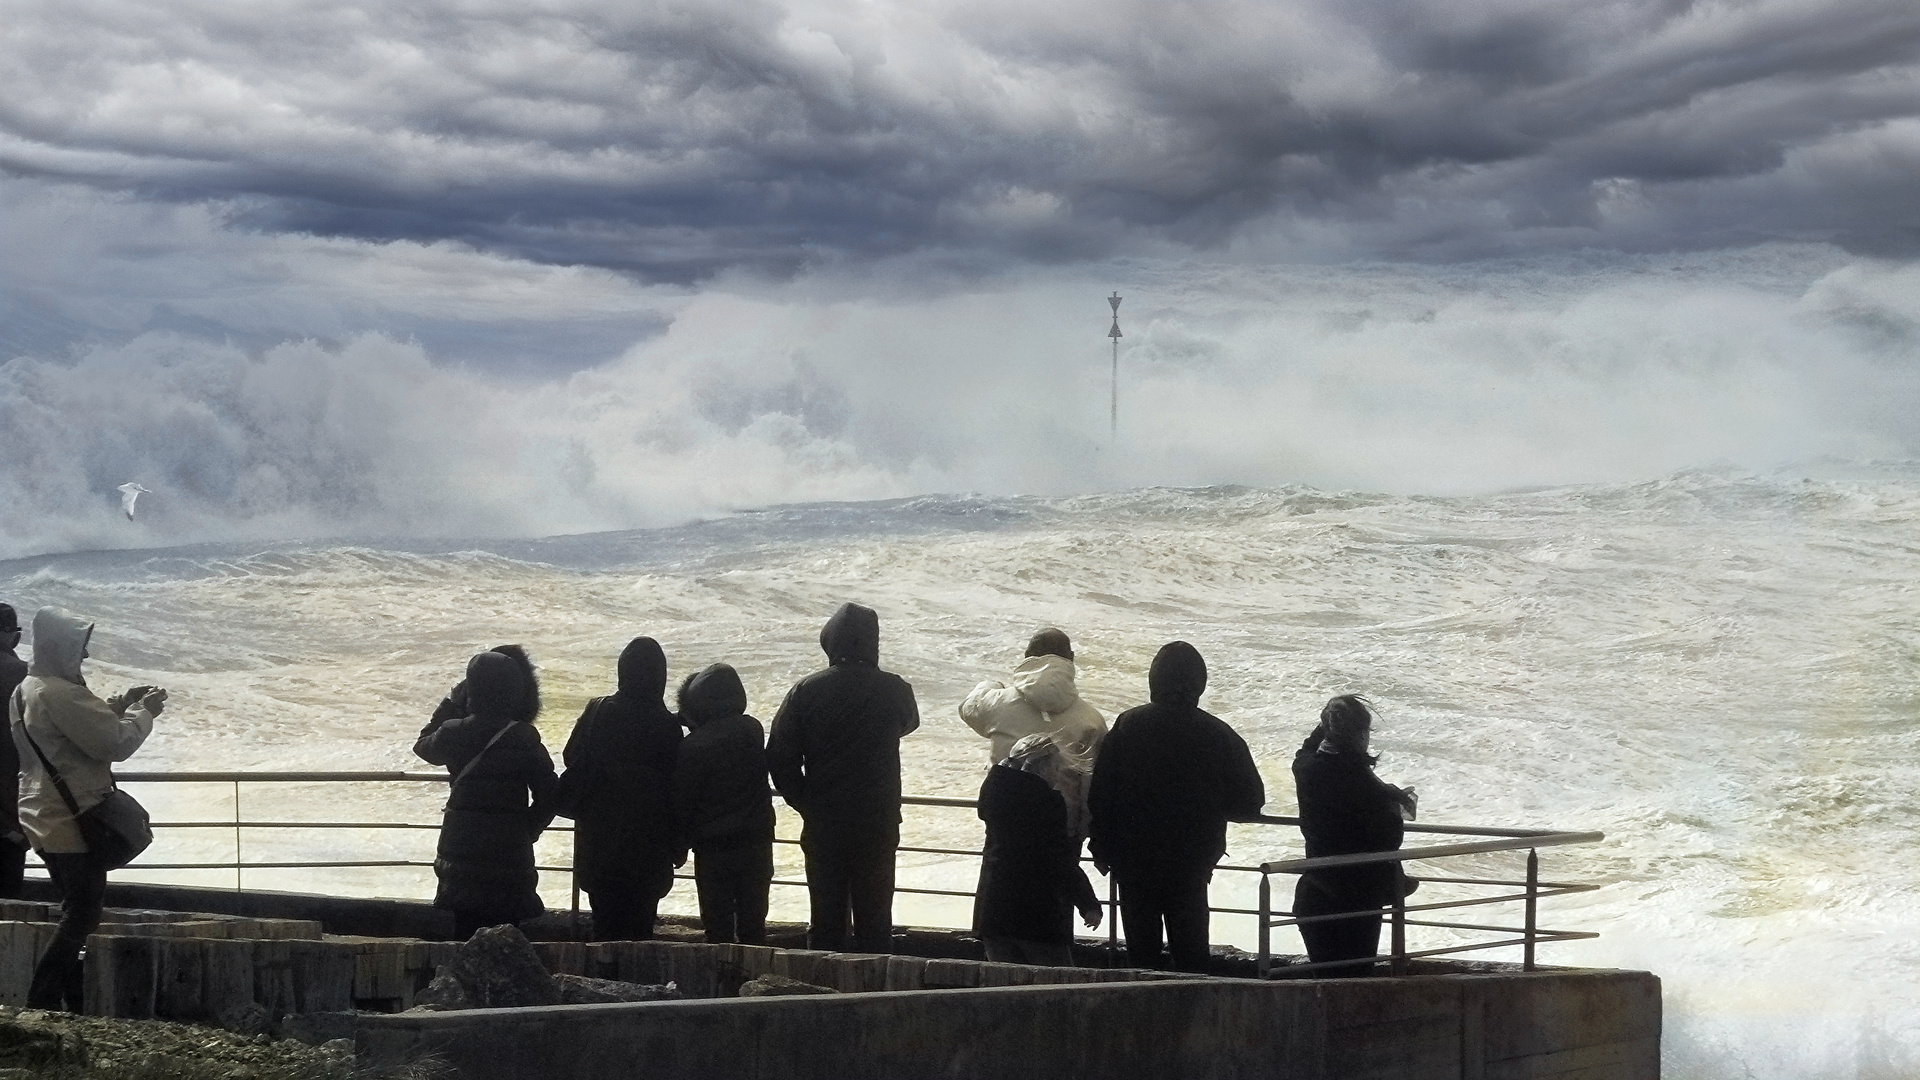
<point>246,1018</point>
<point>583,990</point>
<point>26,1041</point>
<point>444,992</point>
<point>498,968</point>
<point>780,986</point>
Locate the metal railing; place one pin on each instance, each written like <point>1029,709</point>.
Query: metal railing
<point>1400,959</point>
<point>1503,840</point>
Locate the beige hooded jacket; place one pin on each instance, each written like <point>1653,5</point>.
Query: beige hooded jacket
<point>78,732</point>
<point>1041,699</point>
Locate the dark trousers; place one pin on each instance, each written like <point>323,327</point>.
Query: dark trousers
<point>850,874</point>
<point>623,914</point>
<point>1356,937</point>
<point>13,867</point>
<point>1176,898</point>
<point>58,980</point>
<point>733,884</point>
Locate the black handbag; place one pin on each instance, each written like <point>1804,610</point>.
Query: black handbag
<point>116,829</point>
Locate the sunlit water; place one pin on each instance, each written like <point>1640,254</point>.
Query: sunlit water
<point>1716,671</point>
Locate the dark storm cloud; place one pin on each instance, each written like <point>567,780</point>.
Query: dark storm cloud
<point>675,141</point>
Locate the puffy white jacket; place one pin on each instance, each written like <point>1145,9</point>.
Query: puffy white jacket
<point>1040,698</point>
<point>78,732</point>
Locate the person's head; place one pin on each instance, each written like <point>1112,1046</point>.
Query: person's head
<point>1348,722</point>
<point>1050,642</point>
<point>1178,675</point>
<point>60,641</point>
<point>643,670</point>
<point>712,693</point>
<point>496,687</point>
<point>9,627</point>
<point>529,707</point>
<point>852,636</point>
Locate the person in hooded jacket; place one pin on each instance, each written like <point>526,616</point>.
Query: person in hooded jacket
<point>56,719</point>
<point>1346,810</point>
<point>723,806</point>
<point>834,752</point>
<point>1034,806</point>
<point>13,842</point>
<point>499,801</point>
<point>620,761</point>
<point>1168,779</point>
<point>454,705</point>
<point>1040,698</point>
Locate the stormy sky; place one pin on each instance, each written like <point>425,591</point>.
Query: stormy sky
<point>525,196</point>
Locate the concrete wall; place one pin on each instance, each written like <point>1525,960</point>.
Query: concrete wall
<point>1567,1025</point>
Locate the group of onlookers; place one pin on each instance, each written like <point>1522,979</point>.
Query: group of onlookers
<point>1150,798</point>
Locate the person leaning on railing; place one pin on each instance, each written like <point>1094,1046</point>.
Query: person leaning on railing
<point>13,844</point>
<point>1346,810</point>
<point>58,720</point>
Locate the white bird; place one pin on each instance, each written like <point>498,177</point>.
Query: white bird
<point>128,493</point>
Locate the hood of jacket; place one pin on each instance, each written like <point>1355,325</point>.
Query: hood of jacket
<point>1178,675</point>
<point>495,686</point>
<point>529,707</point>
<point>59,644</point>
<point>1046,682</point>
<point>643,670</point>
<point>714,693</point>
<point>852,635</point>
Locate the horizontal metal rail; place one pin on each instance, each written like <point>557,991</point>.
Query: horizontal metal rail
<point>1497,840</point>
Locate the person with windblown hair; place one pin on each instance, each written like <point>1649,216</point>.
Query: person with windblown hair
<point>1346,810</point>
<point>60,727</point>
<point>620,761</point>
<point>723,806</point>
<point>1168,779</point>
<point>499,800</point>
<point>1034,804</point>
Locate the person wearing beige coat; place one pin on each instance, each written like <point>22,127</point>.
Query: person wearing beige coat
<point>1039,698</point>
<point>57,719</point>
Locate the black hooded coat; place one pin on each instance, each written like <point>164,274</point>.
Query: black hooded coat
<point>624,746</point>
<point>13,671</point>
<point>1170,776</point>
<point>720,795</point>
<point>834,750</point>
<point>496,809</point>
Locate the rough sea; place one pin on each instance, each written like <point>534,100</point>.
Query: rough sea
<point>1715,669</point>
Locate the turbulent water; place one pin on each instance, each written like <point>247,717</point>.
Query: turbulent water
<point>1715,670</point>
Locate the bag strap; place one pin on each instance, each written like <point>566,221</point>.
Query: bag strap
<point>59,782</point>
<point>475,759</point>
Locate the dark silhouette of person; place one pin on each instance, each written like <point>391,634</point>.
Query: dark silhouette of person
<point>13,841</point>
<point>1168,778</point>
<point>1346,810</point>
<point>724,807</point>
<point>1034,806</point>
<point>834,752</point>
<point>498,803</point>
<point>620,758</point>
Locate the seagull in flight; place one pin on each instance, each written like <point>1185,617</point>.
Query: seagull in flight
<point>128,493</point>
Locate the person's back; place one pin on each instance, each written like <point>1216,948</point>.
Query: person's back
<point>1040,697</point>
<point>1032,803</point>
<point>1168,778</point>
<point>499,801</point>
<point>834,753</point>
<point>620,759</point>
<point>723,806</point>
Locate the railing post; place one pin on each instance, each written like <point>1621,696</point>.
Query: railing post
<point>1533,893</point>
<point>1265,959</point>
<point>237,858</point>
<point>1400,965</point>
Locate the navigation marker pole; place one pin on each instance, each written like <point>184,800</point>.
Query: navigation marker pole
<point>1113,401</point>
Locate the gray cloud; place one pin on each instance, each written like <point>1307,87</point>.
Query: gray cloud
<point>674,142</point>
